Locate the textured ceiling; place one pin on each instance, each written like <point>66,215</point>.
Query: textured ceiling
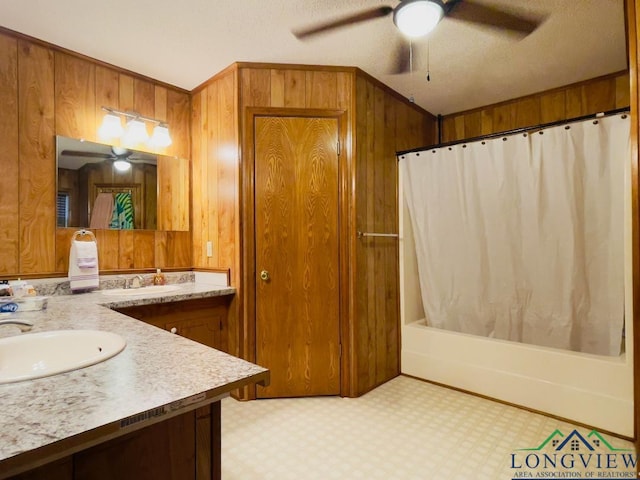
<point>184,43</point>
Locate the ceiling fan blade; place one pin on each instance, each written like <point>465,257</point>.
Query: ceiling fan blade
<point>74,153</point>
<point>344,21</point>
<point>468,11</point>
<point>401,58</point>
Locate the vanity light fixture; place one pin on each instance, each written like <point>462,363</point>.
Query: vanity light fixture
<point>416,18</point>
<point>135,131</point>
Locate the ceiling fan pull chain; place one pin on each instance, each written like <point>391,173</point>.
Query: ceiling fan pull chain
<point>428,59</point>
<point>411,98</point>
<point>411,56</point>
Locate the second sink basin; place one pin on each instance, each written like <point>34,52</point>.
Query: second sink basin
<point>142,290</point>
<point>35,355</point>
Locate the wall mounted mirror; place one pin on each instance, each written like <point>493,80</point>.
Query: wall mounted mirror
<point>105,187</point>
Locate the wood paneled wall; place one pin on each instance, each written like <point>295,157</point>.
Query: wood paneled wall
<point>633,36</point>
<point>215,174</point>
<point>46,91</point>
<point>385,124</point>
<point>9,157</point>
<point>217,163</point>
<point>297,89</point>
<point>592,96</point>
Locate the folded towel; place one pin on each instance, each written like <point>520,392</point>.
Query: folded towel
<point>102,211</point>
<point>83,278</point>
<point>86,253</point>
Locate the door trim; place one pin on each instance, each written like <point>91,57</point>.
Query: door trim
<point>247,317</point>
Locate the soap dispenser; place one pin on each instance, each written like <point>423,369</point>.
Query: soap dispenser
<point>158,278</point>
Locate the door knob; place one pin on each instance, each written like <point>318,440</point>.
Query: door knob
<point>264,275</point>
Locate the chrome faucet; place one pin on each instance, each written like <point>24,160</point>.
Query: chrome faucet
<point>23,325</point>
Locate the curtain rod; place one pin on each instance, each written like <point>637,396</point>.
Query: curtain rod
<point>516,130</point>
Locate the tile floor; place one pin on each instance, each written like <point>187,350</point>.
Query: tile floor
<point>405,429</point>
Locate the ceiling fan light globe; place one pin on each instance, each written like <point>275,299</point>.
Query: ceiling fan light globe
<point>416,18</point>
<point>111,127</point>
<point>121,165</point>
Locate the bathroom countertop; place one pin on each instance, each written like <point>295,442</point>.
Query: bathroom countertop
<point>156,376</point>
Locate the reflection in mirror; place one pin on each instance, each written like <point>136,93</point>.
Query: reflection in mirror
<point>106,187</point>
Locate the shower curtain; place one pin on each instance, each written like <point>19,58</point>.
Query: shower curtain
<point>521,238</point>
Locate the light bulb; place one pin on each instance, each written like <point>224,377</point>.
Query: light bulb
<point>135,133</point>
<point>110,128</point>
<point>121,165</point>
<point>416,18</point>
<point>160,137</point>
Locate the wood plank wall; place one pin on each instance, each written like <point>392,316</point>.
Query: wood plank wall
<point>215,185</point>
<point>217,165</point>
<point>47,91</point>
<point>9,158</point>
<point>215,173</point>
<point>297,88</point>
<point>592,96</point>
<point>385,124</point>
<point>633,37</point>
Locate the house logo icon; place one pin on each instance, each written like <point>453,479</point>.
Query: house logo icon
<point>584,455</point>
<point>576,442</point>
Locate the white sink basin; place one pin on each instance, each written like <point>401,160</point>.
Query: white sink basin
<point>142,291</point>
<point>35,355</point>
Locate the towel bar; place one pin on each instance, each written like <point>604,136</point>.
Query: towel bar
<point>373,234</point>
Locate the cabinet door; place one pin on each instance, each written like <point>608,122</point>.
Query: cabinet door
<point>162,451</point>
<point>58,470</point>
<point>186,447</point>
<point>205,330</point>
<point>202,320</point>
<point>208,445</point>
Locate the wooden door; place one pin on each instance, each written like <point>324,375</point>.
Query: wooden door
<point>297,257</point>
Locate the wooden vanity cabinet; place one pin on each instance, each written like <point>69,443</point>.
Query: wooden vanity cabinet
<point>58,470</point>
<point>203,320</point>
<point>183,447</point>
<point>165,450</point>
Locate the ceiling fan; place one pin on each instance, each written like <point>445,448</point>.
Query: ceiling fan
<point>121,157</point>
<point>416,18</point>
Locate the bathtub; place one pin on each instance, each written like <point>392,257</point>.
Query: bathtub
<point>593,390</point>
